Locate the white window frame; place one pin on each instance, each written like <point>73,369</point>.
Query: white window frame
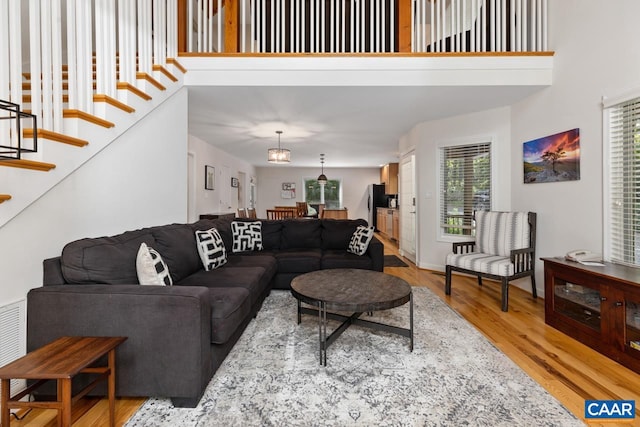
<point>607,104</point>
<point>441,235</point>
<point>309,178</point>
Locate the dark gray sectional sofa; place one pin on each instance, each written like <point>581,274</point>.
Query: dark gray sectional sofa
<point>179,335</point>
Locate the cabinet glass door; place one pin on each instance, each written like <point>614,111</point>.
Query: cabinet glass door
<point>577,302</point>
<point>632,324</point>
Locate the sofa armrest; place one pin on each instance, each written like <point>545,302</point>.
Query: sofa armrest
<point>464,247</point>
<point>167,352</point>
<point>52,272</point>
<point>376,252</point>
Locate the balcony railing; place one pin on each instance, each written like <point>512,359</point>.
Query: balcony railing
<point>363,26</point>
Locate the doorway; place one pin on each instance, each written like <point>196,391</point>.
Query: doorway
<point>408,207</point>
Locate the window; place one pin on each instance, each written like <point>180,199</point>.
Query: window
<point>622,182</point>
<point>332,193</point>
<point>465,186</point>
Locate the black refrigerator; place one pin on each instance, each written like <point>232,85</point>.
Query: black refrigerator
<point>377,199</point>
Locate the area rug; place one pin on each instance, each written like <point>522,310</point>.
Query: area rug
<point>453,377</point>
<point>393,261</point>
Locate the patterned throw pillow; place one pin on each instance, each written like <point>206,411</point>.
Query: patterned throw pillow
<point>151,268</point>
<point>211,249</point>
<point>247,236</point>
<point>360,240</point>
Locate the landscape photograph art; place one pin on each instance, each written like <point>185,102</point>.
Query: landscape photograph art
<point>552,158</point>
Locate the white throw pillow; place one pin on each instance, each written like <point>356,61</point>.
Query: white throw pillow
<point>360,240</point>
<point>211,249</point>
<point>151,268</point>
<point>247,236</point>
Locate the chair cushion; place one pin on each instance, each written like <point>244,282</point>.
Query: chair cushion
<point>482,263</point>
<point>177,244</point>
<point>301,234</point>
<point>254,279</point>
<point>498,233</point>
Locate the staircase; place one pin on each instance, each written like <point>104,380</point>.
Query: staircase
<point>86,104</point>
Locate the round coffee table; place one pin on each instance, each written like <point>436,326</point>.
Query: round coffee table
<point>346,289</point>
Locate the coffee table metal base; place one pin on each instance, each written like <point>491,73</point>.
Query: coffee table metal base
<point>325,341</point>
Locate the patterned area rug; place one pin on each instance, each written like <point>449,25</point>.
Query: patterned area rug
<point>453,377</point>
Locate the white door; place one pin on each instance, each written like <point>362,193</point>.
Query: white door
<point>226,204</point>
<point>408,207</point>
<point>191,187</point>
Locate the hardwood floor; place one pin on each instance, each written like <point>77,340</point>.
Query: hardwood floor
<point>567,369</point>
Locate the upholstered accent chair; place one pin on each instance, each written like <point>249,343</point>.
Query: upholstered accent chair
<point>504,250</point>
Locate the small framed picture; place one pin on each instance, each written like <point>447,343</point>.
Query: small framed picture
<point>234,182</point>
<point>209,177</point>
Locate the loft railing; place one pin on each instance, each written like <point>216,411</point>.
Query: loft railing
<point>363,26</point>
<point>104,43</point>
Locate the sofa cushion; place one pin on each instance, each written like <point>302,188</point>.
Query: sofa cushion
<point>271,233</point>
<point>254,279</point>
<point>301,234</point>
<point>336,258</point>
<point>151,268</point>
<point>247,236</point>
<point>229,308</point>
<point>109,260</point>
<point>299,260</point>
<point>336,233</point>
<point>211,248</point>
<point>177,244</point>
<point>360,240</point>
<point>254,259</point>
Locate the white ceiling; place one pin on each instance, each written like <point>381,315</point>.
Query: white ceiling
<point>352,126</point>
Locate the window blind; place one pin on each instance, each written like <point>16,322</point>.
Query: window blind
<point>465,185</point>
<point>624,182</point>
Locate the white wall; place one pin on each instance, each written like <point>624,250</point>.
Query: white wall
<point>209,201</point>
<point>137,181</point>
<point>490,125</point>
<point>354,186</point>
<point>596,55</point>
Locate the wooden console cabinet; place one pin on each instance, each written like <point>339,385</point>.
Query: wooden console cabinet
<point>598,306</point>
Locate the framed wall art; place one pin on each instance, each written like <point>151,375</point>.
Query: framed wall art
<point>553,158</point>
<point>234,182</point>
<point>209,177</point>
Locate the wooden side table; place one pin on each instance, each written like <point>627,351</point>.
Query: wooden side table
<point>61,360</point>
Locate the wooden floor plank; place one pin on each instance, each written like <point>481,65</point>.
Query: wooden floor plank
<point>567,369</point>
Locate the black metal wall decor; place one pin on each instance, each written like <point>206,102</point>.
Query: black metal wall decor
<point>11,136</point>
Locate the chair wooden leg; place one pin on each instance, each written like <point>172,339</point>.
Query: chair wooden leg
<point>505,294</point>
<point>447,281</point>
<point>479,280</point>
<point>534,291</point>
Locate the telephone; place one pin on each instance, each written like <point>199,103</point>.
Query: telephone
<point>583,255</point>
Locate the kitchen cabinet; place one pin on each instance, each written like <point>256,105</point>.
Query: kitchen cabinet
<point>396,225</point>
<point>597,305</point>
<point>389,177</point>
<point>381,221</point>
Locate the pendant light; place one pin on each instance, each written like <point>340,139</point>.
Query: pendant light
<point>322,179</point>
<point>279,155</point>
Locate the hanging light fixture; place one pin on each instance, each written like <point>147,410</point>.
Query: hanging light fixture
<point>322,179</point>
<point>279,155</point>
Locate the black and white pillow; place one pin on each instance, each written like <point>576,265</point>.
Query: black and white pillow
<point>151,268</point>
<point>360,240</point>
<point>211,249</point>
<point>247,236</point>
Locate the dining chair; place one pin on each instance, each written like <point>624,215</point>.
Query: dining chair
<point>242,213</point>
<point>251,213</point>
<point>280,213</point>
<point>301,209</point>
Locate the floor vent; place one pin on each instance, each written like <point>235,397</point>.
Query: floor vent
<point>13,336</point>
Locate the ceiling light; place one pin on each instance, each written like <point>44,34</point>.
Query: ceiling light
<point>322,179</point>
<point>279,155</point>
